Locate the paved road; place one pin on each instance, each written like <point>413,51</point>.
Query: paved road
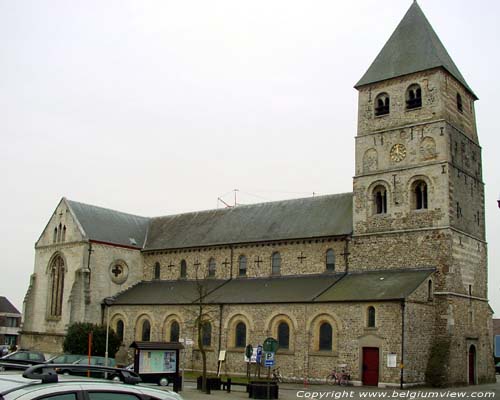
<point>293,391</point>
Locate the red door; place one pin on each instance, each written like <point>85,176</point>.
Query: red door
<point>472,365</point>
<point>370,366</point>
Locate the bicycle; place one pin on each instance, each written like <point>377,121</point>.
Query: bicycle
<point>340,377</point>
<point>277,375</point>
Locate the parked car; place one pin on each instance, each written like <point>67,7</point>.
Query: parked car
<point>20,359</point>
<point>66,358</point>
<point>4,349</point>
<point>38,383</point>
<point>94,361</point>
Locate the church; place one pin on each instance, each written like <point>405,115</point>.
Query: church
<point>387,279</point>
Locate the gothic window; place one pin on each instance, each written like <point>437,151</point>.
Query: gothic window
<point>119,329</point>
<point>206,334</point>
<point>64,233</point>
<point>380,200</point>
<point>275,263</point>
<point>57,286</point>
<point>283,336</point>
<point>54,239</point>
<point>242,263</point>
<point>183,269</point>
<point>459,103</point>
<point>240,338</point>
<point>330,260</point>
<point>157,270</point>
<point>59,233</point>
<point>146,331</point>
<point>370,317</point>
<point>382,104</point>
<point>413,97</point>
<point>174,331</point>
<point>420,195</point>
<point>211,267</point>
<point>325,337</point>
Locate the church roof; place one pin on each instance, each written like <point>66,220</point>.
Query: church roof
<point>110,226</point>
<point>310,217</point>
<point>413,47</point>
<point>357,286</point>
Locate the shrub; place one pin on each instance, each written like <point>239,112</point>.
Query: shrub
<point>76,340</point>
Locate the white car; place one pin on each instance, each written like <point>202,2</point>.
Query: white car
<point>41,382</point>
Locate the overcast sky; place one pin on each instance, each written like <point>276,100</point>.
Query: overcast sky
<point>161,107</point>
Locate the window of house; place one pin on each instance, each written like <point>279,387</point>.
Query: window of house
<point>420,195</point>
<point>330,260</point>
<point>183,269</point>
<point>240,339</point>
<point>371,317</point>
<point>174,331</point>
<point>211,267</point>
<point>382,104</point>
<point>242,266</point>
<point>275,263</point>
<point>120,327</point>
<point>206,334</point>
<point>157,270</point>
<point>325,337</point>
<point>413,97</point>
<point>459,103</point>
<point>57,286</point>
<point>283,336</point>
<point>11,322</point>
<point>146,331</point>
<point>380,200</point>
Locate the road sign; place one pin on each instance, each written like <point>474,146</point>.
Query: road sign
<point>269,359</point>
<point>248,351</point>
<point>259,354</point>
<point>270,344</point>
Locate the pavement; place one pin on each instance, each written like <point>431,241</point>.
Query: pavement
<point>289,391</point>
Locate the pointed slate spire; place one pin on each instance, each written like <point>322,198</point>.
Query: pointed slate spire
<point>413,47</point>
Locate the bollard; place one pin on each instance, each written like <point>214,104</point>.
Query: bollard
<point>228,385</point>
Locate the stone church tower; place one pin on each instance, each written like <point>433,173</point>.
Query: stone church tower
<point>418,189</point>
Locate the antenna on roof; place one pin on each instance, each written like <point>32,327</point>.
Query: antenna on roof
<point>220,199</point>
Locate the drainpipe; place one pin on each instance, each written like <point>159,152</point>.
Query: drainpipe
<point>401,380</point>
<point>220,327</point>
<point>88,260</point>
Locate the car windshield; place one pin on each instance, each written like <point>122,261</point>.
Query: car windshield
<point>67,358</point>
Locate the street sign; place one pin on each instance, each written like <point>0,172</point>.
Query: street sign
<point>259,354</point>
<point>269,359</point>
<point>270,344</point>
<point>248,351</point>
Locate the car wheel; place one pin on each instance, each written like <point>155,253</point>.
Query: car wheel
<point>114,378</point>
<point>163,382</point>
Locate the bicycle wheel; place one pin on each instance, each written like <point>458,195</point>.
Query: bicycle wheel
<point>344,380</point>
<point>331,379</point>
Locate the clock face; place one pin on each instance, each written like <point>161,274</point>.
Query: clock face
<point>398,152</point>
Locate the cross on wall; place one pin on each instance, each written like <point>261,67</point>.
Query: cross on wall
<point>258,261</point>
<point>302,257</point>
<point>117,270</point>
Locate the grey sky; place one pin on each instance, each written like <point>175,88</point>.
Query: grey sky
<point>159,107</point>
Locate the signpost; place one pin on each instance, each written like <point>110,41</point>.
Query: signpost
<point>248,358</point>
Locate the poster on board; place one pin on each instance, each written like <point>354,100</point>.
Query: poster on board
<point>157,361</point>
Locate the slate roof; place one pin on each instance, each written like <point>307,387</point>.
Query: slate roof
<point>413,47</point>
<point>377,285</point>
<point>6,307</point>
<point>318,216</point>
<point>362,286</point>
<point>110,226</point>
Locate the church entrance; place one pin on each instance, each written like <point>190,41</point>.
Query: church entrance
<point>472,365</point>
<point>370,366</point>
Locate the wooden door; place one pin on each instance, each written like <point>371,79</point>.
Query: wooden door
<point>472,365</point>
<point>370,366</point>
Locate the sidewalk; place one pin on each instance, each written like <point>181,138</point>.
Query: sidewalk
<point>289,391</point>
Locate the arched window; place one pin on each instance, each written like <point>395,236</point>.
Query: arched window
<point>370,318</point>
<point>206,333</point>
<point>54,239</point>
<point>420,195</point>
<point>183,269</point>
<point>460,106</point>
<point>157,270</point>
<point>283,336</point>
<point>146,331</point>
<point>330,260</point>
<point>211,267</point>
<point>57,286</point>
<point>242,266</point>
<point>382,104</point>
<point>174,331</point>
<point>380,200</point>
<point>240,338</point>
<point>59,233</point>
<point>325,337</point>
<point>119,329</point>
<point>64,233</point>
<point>275,263</point>
<point>413,97</point>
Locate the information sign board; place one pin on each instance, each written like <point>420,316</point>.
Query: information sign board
<point>157,361</point>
